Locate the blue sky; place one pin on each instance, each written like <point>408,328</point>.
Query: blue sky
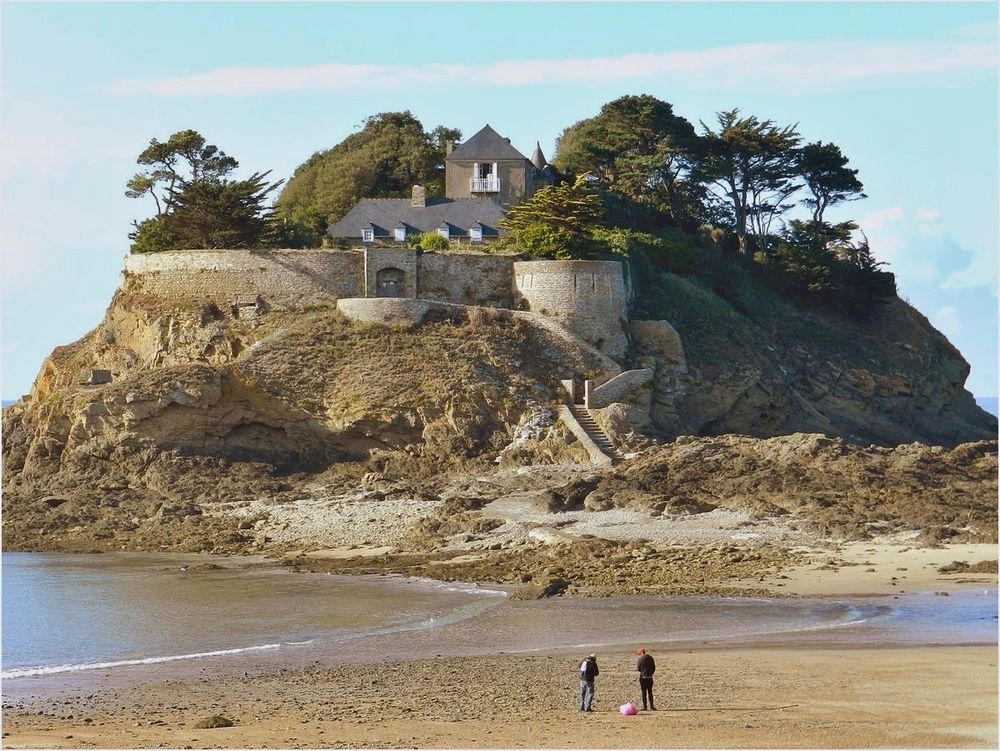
<point>908,91</point>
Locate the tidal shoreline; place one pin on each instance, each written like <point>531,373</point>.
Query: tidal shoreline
<point>485,683</point>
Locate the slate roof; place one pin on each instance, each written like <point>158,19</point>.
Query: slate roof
<point>385,214</point>
<point>487,145</point>
<point>538,158</point>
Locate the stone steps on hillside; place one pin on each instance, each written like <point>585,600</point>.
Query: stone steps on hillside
<point>594,431</point>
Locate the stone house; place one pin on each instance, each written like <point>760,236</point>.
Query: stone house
<point>482,176</point>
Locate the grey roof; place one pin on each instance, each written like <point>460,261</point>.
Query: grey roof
<point>538,158</point>
<point>487,145</point>
<point>385,214</point>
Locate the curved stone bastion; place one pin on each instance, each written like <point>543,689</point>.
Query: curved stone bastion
<point>587,297</point>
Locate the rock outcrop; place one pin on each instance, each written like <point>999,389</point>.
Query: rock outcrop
<point>754,363</point>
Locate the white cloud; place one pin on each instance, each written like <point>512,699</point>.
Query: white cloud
<point>980,271</point>
<point>918,250</point>
<point>947,321</point>
<point>783,67</point>
<point>35,154</point>
<point>927,221</point>
<point>878,221</point>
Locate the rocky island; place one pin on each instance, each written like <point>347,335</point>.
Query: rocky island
<point>464,414</point>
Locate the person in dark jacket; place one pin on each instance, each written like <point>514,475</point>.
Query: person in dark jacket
<point>646,667</point>
<point>588,672</point>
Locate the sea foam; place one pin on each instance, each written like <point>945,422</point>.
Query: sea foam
<point>53,669</point>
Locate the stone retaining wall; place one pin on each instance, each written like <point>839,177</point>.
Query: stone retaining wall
<point>614,389</point>
<point>295,279</point>
<point>468,279</point>
<point>285,279</point>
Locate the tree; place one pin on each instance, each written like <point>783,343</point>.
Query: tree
<point>391,153</point>
<point>184,158</point>
<point>197,204</point>
<point>556,221</point>
<point>752,166</point>
<point>637,147</point>
<point>806,255</point>
<point>824,169</point>
<point>822,263</point>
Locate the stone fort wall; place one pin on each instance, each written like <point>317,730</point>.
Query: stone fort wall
<point>289,279</point>
<point>468,279</point>
<point>295,279</point>
<point>587,297</point>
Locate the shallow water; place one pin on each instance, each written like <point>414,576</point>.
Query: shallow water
<point>89,617</point>
<point>65,613</point>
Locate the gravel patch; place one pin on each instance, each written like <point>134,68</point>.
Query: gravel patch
<point>714,527</point>
<point>343,521</point>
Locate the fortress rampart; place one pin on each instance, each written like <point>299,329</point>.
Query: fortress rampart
<point>286,279</point>
<point>295,279</point>
<point>587,297</point>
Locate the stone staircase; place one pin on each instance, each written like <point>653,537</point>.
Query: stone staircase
<point>582,415</point>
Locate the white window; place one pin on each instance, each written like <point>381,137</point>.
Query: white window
<point>367,235</point>
<point>444,232</point>
<point>400,234</point>
<point>476,234</point>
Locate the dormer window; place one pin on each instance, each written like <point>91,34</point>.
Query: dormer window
<point>368,235</point>
<point>444,230</point>
<point>476,233</point>
<point>400,232</point>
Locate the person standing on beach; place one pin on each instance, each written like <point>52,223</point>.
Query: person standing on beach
<point>588,672</point>
<point>646,667</point>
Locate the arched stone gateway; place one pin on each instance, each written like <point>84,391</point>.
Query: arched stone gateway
<point>390,282</point>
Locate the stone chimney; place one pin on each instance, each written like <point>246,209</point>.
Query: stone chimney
<point>419,198</point>
<point>449,146</point>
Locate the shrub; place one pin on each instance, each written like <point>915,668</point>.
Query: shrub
<point>433,241</point>
<point>679,252</point>
<point>671,250</point>
<point>542,240</point>
<point>152,236</point>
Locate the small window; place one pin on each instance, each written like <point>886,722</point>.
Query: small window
<point>400,234</point>
<point>367,235</point>
<point>476,234</point>
<point>444,232</point>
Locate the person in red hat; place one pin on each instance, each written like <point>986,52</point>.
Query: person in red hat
<point>646,667</point>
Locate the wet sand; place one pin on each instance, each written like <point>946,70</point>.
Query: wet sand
<point>761,698</point>
<point>768,695</point>
<point>869,568</point>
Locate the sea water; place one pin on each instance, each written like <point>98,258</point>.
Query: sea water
<point>66,615</point>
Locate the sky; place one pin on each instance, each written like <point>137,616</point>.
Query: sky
<point>907,90</point>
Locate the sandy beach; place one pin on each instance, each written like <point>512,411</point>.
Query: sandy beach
<point>765,695</point>
<point>760,698</point>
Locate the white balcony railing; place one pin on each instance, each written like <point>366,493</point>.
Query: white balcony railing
<point>484,185</point>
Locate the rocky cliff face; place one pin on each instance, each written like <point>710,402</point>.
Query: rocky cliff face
<point>755,364</point>
<point>212,407</point>
<point>198,396</point>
